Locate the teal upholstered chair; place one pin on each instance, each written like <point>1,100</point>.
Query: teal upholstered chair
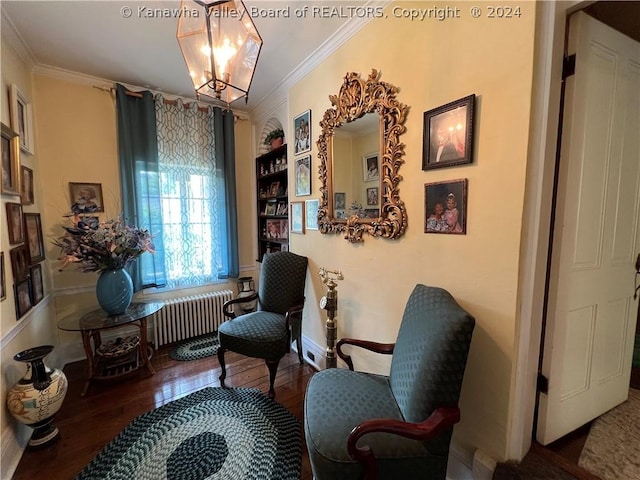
<point>361,425</point>
<point>268,332</point>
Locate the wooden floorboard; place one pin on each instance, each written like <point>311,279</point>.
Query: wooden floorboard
<point>88,423</point>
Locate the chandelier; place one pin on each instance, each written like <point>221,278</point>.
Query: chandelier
<point>220,46</point>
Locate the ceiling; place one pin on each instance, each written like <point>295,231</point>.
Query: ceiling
<point>97,38</point>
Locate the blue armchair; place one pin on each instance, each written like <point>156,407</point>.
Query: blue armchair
<point>360,425</point>
<point>268,332</point>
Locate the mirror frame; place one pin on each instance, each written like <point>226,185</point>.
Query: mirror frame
<point>356,98</point>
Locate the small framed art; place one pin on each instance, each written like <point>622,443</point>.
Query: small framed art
<point>302,131</point>
<point>10,162</point>
<point>273,229</point>
<point>311,213</point>
<point>303,176</point>
<point>15,227</point>
<point>446,207</point>
<point>3,281</point>
<point>372,196</point>
<point>297,217</point>
<point>37,288</point>
<point>448,134</point>
<point>23,297</point>
<point>371,167</point>
<point>22,119</point>
<point>33,233</point>
<point>339,201</point>
<point>26,186</point>
<point>86,197</point>
<point>20,263</point>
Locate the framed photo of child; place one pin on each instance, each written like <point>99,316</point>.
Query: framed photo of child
<point>446,207</point>
<point>302,131</point>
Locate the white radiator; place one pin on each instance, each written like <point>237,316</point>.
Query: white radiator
<point>187,317</point>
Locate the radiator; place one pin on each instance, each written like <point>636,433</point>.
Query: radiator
<point>187,317</point>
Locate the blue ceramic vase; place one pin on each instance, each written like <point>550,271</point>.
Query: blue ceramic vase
<point>114,291</point>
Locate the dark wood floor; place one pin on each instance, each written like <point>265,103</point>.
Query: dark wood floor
<point>88,423</point>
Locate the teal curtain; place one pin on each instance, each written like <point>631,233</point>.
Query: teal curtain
<point>138,152</point>
<point>225,151</point>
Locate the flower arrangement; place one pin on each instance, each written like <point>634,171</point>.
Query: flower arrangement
<point>272,135</point>
<point>97,246</point>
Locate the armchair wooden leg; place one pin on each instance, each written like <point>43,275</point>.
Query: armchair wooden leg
<point>272,365</point>
<point>223,374</point>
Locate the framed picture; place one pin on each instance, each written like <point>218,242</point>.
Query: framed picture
<point>26,186</point>
<point>339,201</point>
<point>3,281</point>
<point>371,213</point>
<point>282,208</point>
<point>22,119</point>
<point>15,227</point>
<point>270,208</point>
<point>303,176</point>
<point>284,229</point>
<point>311,213</point>
<point>372,196</point>
<point>302,132</point>
<point>20,263</point>
<point>10,162</point>
<point>446,207</point>
<point>86,197</point>
<point>23,297</point>
<point>448,134</point>
<point>273,229</point>
<point>371,167</point>
<point>33,233</point>
<point>273,190</point>
<point>297,217</point>
<point>37,288</point>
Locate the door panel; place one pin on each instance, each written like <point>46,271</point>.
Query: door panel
<point>591,313</point>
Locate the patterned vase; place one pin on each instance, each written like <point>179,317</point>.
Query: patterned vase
<point>38,396</point>
<point>114,291</point>
<point>246,289</point>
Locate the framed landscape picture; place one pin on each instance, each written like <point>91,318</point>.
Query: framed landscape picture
<point>448,134</point>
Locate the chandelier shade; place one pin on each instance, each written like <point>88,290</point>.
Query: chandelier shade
<point>220,45</point>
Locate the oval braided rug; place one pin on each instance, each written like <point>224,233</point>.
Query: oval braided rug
<point>195,348</point>
<point>215,433</point>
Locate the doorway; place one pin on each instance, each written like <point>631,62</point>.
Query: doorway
<point>625,18</point>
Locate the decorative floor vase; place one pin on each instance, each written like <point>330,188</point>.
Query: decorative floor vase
<point>246,289</point>
<point>114,291</point>
<point>38,396</point>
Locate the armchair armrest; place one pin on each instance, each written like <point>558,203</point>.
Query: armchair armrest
<point>293,311</point>
<point>441,420</point>
<point>227,305</point>
<point>384,348</point>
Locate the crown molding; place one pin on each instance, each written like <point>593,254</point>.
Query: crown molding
<point>11,35</point>
<point>340,37</point>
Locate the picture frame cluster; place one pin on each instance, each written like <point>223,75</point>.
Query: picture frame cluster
<point>448,136</point>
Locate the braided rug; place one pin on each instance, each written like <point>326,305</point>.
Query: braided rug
<point>214,433</point>
<point>196,348</point>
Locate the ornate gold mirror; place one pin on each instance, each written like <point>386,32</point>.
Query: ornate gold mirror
<point>360,154</point>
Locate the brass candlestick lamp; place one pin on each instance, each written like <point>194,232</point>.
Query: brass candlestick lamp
<point>330,303</point>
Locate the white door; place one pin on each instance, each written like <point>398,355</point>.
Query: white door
<point>591,313</point>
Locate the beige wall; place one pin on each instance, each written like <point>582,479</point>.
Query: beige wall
<point>434,63</point>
